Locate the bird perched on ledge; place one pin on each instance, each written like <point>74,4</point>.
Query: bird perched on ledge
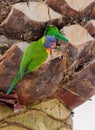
<point>36,54</point>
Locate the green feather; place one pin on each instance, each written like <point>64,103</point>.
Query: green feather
<point>53,31</point>
<point>14,82</point>
<point>32,58</point>
<point>35,55</point>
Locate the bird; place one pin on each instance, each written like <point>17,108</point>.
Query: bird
<point>35,55</point>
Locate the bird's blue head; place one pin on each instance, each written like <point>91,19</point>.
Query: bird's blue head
<point>50,42</point>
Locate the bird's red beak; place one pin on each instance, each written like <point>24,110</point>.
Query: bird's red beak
<point>54,44</point>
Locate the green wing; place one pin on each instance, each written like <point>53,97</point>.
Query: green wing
<point>14,82</point>
<point>33,57</point>
<point>53,31</point>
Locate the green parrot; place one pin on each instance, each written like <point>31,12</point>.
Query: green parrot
<point>37,53</point>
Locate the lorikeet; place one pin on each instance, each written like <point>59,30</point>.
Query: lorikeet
<point>34,56</point>
<point>37,53</point>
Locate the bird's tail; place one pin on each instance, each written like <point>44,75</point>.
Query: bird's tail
<point>14,82</point>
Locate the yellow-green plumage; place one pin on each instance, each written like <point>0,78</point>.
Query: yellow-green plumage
<point>36,54</point>
<point>33,57</point>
